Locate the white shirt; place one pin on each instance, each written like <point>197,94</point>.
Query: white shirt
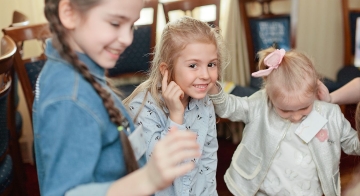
<point>293,171</point>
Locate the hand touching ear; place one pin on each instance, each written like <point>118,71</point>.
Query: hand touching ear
<point>173,96</point>
<point>323,92</point>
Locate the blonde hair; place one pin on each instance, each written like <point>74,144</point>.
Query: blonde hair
<point>175,37</point>
<point>295,74</point>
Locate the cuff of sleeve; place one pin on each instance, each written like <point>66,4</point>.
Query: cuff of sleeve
<point>220,97</point>
<point>174,124</point>
<point>92,189</point>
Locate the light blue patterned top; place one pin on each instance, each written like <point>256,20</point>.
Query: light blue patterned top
<point>200,118</point>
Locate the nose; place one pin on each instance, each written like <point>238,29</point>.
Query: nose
<point>204,73</point>
<point>296,117</point>
<point>126,37</point>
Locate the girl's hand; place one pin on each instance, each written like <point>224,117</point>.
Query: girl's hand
<point>172,95</point>
<point>214,90</point>
<point>323,92</point>
<point>163,166</point>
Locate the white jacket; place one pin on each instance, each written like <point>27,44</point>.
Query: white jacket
<point>263,133</point>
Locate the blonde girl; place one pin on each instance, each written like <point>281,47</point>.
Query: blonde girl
<point>292,142</point>
<point>81,128</point>
<point>187,62</point>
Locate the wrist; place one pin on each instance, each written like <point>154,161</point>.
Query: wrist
<point>148,184</point>
<point>330,101</point>
<point>177,118</point>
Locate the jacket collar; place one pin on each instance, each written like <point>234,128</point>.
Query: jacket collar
<point>95,70</point>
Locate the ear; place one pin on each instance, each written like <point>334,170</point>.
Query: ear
<point>163,67</point>
<point>67,14</point>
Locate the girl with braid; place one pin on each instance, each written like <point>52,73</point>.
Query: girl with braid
<point>84,137</point>
<point>187,62</point>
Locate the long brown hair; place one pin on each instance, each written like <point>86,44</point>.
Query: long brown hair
<point>59,41</point>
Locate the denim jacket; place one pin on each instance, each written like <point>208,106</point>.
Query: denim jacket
<point>263,133</point>
<point>77,147</point>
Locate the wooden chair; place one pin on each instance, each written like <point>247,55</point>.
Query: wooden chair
<point>349,16</point>
<point>12,175</point>
<point>188,7</point>
<point>134,62</point>
<point>28,69</point>
<point>19,19</point>
<point>266,29</point>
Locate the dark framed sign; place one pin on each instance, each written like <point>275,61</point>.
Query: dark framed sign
<point>274,31</point>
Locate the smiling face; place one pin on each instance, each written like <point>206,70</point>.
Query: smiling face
<point>105,31</point>
<point>195,70</point>
<point>294,107</point>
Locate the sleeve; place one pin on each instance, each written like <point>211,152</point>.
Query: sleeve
<point>349,137</point>
<point>69,149</point>
<point>209,157</point>
<point>230,106</point>
<point>156,123</point>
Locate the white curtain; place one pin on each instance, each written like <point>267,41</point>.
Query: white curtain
<point>232,28</point>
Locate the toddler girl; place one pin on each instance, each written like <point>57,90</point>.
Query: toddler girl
<point>292,142</point>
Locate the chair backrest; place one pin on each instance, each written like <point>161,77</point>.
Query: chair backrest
<point>349,16</point>
<point>266,29</point>
<point>188,6</point>
<point>19,19</point>
<point>8,49</point>
<point>135,60</point>
<point>29,68</point>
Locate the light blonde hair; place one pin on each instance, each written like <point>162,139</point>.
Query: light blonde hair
<point>175,37</point>
<point>295,74</point>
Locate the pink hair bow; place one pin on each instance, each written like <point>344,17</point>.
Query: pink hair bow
<point>272,61</point>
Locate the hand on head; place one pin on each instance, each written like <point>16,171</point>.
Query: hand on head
<point>173,95</point>
<point>163,166</point>
<point>323,92</point>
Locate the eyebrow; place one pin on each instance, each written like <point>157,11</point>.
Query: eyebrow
<point>296,110</point>
<point>197,60</point>
<point>118,16</point>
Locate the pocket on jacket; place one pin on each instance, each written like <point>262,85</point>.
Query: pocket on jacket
<point>336,182</point>
<point>246,163</point>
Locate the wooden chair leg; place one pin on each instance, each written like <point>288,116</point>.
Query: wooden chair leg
<point>14,147</point>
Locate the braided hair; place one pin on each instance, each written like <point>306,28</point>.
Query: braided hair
<point>63,47</point>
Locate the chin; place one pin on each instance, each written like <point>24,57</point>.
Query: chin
<point>198,96</point>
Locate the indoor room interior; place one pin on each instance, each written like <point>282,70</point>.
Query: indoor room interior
<point>316,28</point>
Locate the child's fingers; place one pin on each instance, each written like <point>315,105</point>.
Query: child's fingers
<point>164,83</point>
<point>182,169</point>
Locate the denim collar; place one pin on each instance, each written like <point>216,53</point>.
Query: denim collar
<point>95,70</point>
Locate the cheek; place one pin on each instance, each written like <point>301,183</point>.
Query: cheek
<point>307,112</point>
<point>214,74</point>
